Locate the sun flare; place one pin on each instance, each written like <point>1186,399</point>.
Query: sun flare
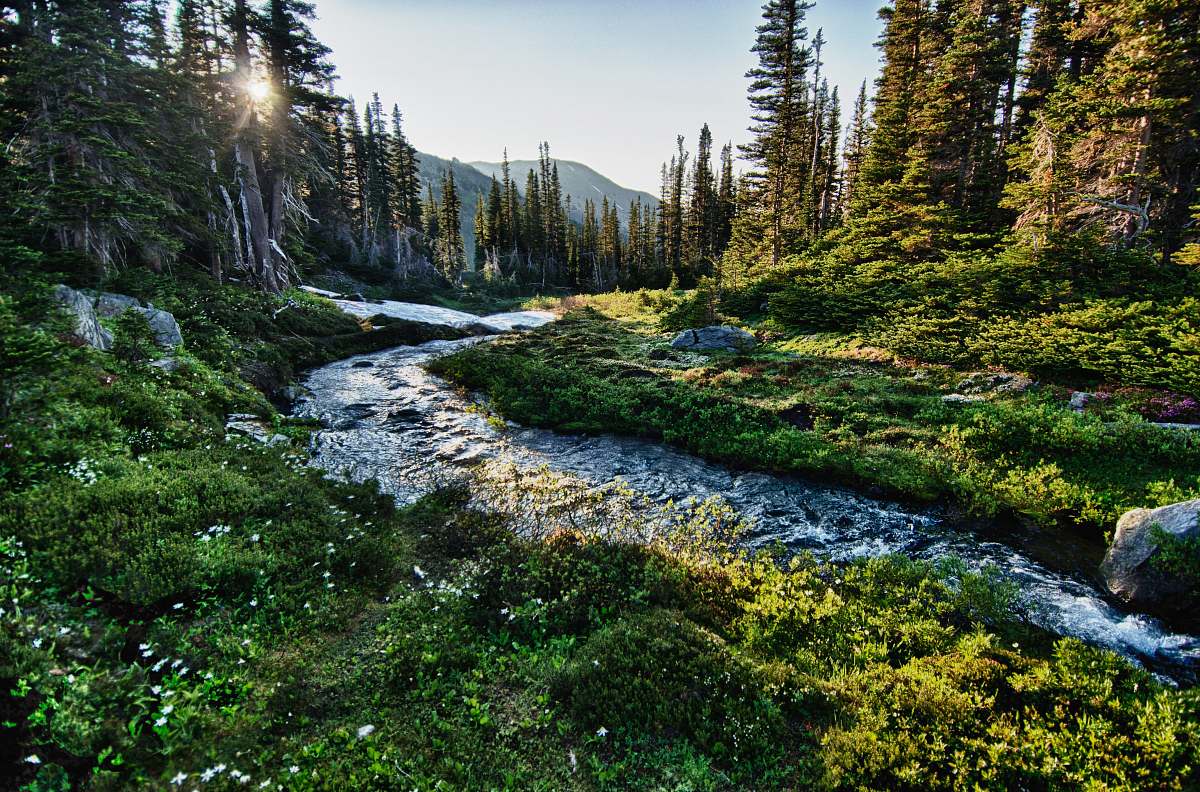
<point>259,90</point>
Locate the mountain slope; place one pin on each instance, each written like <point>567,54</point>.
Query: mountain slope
<point>470,183</point>
<point>578,181</point>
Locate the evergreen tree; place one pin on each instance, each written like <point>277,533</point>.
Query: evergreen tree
<point>778,109</point>
<point>726,202</point>
<point>858,140</point>
<point>431,216</point>
<point>701,220</point>
<point>451,256</point>
<point>1112,147</point>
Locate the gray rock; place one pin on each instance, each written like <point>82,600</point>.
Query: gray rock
<point>1079,400</point>
<point>1128,567</point>
<point>87,324</point>
<point>166,329</point>
<point>255,430</point>
<point>994,382</point>
<point>293,393</point>
<point>718,337</point>
<point>961,398</point>
<point>167,364</point>
<point>163,324</point>
<point>482,329</point>
<point>108,304</point>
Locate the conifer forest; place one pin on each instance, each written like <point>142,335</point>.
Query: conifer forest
<point>859,451</point>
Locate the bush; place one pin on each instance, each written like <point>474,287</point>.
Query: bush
<point>659,675</point>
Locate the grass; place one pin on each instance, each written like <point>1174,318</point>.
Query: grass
<point>181,608</point>
<point>828,406</point>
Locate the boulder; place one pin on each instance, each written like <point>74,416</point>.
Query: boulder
<point>481,329</point>
<point>169,364</point>
<point>293,393</point>
<point>108,304</point>
<point>1079,400</point>
<point>1128,568</point>
<point>166,329</point>
<point>718,337</point>
<point>993,382</point>
<point>961,398</point>
<point>87,324</point>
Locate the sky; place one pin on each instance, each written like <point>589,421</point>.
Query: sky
<point>609,83</point>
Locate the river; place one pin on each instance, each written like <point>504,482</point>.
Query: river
<point>388,419</point>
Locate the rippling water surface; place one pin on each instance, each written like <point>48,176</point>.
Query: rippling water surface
<point>391,420</point>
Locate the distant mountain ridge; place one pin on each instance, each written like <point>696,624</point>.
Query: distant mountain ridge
<point>469,181</point>
<point>578,181</point>
<point>475,178</point>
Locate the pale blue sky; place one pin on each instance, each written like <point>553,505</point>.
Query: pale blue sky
<point>608,82</point>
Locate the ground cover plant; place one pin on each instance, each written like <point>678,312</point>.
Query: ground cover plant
<point>185,609</point>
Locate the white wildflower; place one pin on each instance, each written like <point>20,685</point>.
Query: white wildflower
<point>365,731</point>
<point>602,732</point>
<point>179,778</point>
<point>33,759</point>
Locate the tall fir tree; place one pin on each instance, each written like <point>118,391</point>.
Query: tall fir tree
<point>779,110</point>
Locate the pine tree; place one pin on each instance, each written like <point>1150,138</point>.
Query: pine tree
<point>431,216</point>
<point>701,220</point>
<point>1112,147</point>
<point>858,140</point>
<point>906,46</point>
<point>451,256</point>
<point>829,175</point>
<point>726,202</point>
<point>404,176</point>
<point>779,110</point>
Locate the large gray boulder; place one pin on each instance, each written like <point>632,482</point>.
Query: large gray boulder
<point>166,329</point>
<point>1129,569</point>
<point>87,323</point>
<point>89,307</point>
<point>718,337</point>
<point>109,305</point>
<point>163,324</point>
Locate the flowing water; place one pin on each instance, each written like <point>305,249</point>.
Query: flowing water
<point>390,420</point>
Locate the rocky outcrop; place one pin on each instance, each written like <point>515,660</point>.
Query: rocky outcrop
<point>981,382</point>
<point>88,308</point>
<point>722,338</point>
<point>162,323</point>
<point>1129,568</point>
<point>87,323</point>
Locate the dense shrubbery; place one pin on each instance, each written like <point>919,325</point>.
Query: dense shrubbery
<point>181,606</point>
<point>1073,311</point>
